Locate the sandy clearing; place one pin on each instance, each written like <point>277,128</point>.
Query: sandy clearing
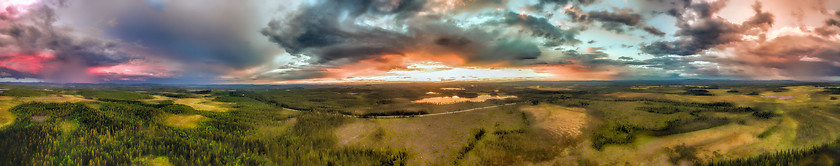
<point>355,132</point>
<point>564,121</point>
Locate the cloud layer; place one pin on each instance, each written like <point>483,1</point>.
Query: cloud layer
<point>255,41</point>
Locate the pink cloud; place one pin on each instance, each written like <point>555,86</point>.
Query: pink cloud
<point>136,69</point>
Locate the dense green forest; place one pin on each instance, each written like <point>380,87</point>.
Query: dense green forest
<point>120,132</point>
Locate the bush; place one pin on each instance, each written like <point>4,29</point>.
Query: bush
<point>698,92</point>
<point>613,133</point>
<point>764,115</point>
<point>177,109</point>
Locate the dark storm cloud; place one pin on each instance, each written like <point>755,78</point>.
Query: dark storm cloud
<point>540,27</point>
<point>706,31</point>
<point>518,50</point>
<point>615,21</point>
<point>653,31</point>
<point>667,63</point>
<point>310,72</point>
<point>592,58</point>
<point>625,18</point>
<point>11,73</point>
<point>760,19</point>
<point>560,3</point>
<point>198,40</point>
<point>329,32</point>
<point>40,36</point>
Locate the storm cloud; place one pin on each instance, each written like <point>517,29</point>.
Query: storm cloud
<point>704,33</point>
<point>616,21</point>
<point>54,53</point>
<point>260,41</point>
<point>334,34</point>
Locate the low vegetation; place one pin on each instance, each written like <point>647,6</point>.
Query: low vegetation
<point>113,95</point>
<point>23,92</point>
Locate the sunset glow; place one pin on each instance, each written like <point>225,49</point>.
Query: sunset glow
<point>436,72</point>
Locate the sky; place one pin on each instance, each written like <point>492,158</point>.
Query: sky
<point>383,41</point>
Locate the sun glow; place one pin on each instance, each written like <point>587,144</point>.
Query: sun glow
<point>438,72</point>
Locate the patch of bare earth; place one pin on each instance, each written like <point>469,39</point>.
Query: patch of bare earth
<point>562,121</point>
<point>39,118</point>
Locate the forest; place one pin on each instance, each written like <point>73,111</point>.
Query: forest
<point>218,125</point>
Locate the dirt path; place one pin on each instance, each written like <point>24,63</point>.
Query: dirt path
<point>407,116</point>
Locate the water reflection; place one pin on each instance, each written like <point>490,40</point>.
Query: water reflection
<point>456,99</point>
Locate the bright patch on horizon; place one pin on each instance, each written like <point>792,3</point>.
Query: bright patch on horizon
<point>436,71</point>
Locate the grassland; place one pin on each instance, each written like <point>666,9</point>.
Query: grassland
<point>183,121</point>
<point>204,104</point>
<point>546,124</point>
<point>429,140</point>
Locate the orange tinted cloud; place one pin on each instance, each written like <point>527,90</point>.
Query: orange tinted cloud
<point>385,63</point>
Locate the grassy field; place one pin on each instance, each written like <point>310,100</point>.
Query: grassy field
<point>204,104</point>
<point>183,121</point>
<point>546,124</point>
<point>429,140</point>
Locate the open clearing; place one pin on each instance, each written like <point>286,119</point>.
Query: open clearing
<point>183,121</point>
<point>204,104</point>
<point>6,117</point>
<point>565,121</point>
<point>429,140</point>
<point>156,161</point>
<point>7,102</point>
